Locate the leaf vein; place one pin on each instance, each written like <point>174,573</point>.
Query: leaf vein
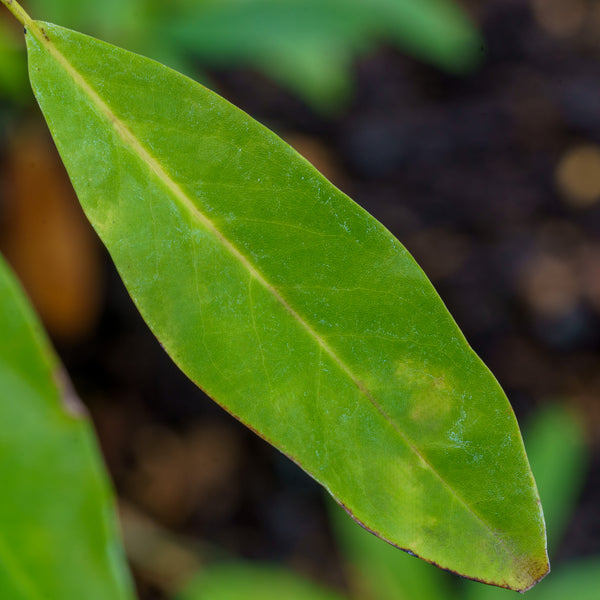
<point>129,139</point>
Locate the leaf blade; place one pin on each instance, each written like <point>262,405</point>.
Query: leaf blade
<point>280,274</point>
<point>58,539</point>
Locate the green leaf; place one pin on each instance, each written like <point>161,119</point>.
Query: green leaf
<point>306,45</point>
<point>293,308</point>
<point>576,579</point>
<point>58,535</point>
<point>556,447</point>
<point>579,578</point>
<point>437,31</point>
<point>310,45</point>
<point>252,582</point>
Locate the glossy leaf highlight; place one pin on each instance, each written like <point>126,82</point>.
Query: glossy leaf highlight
<point>293,308</point>
<point>58,532</point>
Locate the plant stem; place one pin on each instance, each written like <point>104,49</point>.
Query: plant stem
<point>18,12</point>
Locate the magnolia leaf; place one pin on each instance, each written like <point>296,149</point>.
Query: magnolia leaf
<point>58,534</point>
<point>293,308</point>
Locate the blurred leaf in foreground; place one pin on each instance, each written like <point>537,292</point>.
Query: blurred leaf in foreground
<point>310,45</point>
<point>59,537</point>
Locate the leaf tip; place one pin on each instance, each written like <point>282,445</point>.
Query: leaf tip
<point>525,573</point>
<point>535,571</point>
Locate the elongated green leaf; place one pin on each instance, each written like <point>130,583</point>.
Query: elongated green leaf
<point>293,308</point>
<point>579,578</point>
<point>247,581</point>
<point>58,535</point>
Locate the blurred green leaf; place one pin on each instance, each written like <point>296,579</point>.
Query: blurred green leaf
<point>59,537</point>
<point>557,454</point>
<point>379,571</point>
<point>578,579</point>
<point>437,31</point>
<point>293,307</point>
<point>558,457</point>
<point>310,45</point>
<point>252,582</point>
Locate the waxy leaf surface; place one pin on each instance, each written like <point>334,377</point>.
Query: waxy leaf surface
<point>58,533</point>
<point>293,308</point>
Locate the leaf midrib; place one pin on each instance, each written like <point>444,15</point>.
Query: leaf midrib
<point>154,165</point>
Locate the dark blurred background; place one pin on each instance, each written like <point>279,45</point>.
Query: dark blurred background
<point>473,135</point>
